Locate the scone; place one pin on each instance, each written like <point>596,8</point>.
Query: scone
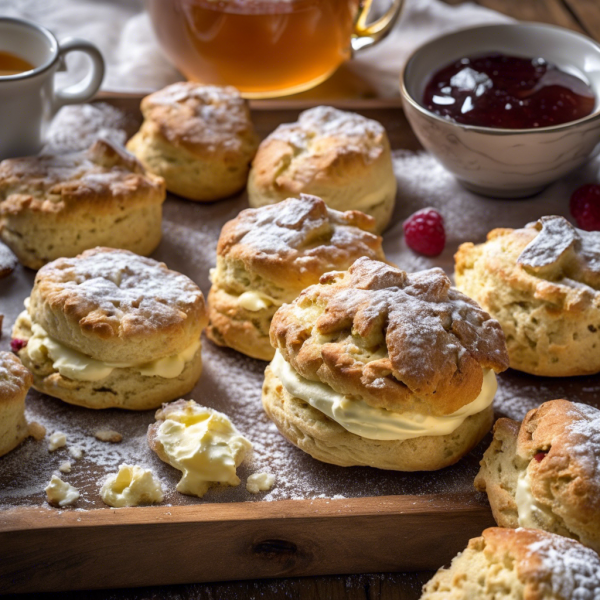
<point>57,206</point>
<point>383,368</point>
<point>199,138</point>
<point>110,328</point>
<point>15,381</point>
<point>339,156</point>
<point>518,564</point>
<point>542,283</point>
<point>544,473</point>
<point>267,256</point>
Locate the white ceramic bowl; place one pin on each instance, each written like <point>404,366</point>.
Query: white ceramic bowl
<point>505,163</point>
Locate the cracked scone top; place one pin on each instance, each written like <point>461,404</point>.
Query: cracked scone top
<point>339,156</point>
<point>523,564</point>
<point>112,328</point>
<point>399,365</point>
<point>400,341</point>
<point>59,205</point>
<point>267,256</point>
<point>543,473</point>
<point>542,283</point>
<point>198,137</point>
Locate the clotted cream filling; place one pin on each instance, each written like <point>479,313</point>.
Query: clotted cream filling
<point>373,423</point>
<point>75,365</point>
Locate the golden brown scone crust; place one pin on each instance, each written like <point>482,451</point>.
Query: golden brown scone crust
<point>60,205</point>
<point>405,342</point>
<point>324,439</point>
<point>339,156</point>
<point>116,306</point>
<point>15,381</point>
<point>566,482</point>
<point>279,250</point>
<point>518,564</point>
<point>542,283</point>
<point>198,137</point>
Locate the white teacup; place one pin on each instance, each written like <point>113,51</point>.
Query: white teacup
<point>28,100</point>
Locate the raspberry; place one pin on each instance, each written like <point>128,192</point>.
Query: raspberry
<point>585,207</point>
<point>540,456</point>
<point>17,344</point>
<point>424,232</point>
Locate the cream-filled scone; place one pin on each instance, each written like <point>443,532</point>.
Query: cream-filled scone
<point>199,138</point>
<point>544,473</point>
<point>15,381</point>
<point>54,206</point>
<point>109,328</point>
<point>542,283</point>
<point>518,564</point>
<point>200,442</point>
<point>267,256</point>
<point>383,368</point>
<point>339,156</point>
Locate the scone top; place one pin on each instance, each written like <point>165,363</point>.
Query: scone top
<point>559,444</point>
<point>324,143</point>
<point>14,377</point>
<point>545,564</point>
<point>399,341</point>
<point>285,247</point>
<point>116,306</point>
<point>99,179</point>
<point>206,120</point>
<point>550,259</point>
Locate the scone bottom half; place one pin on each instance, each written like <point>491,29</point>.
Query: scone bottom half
<point>378,367</point>
<point>542,283</point>
<point>143,347</point>
<point>543,473</point>
<point>266,256</point>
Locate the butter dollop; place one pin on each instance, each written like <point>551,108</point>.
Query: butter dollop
<point>260,482</point>
<point>60,493</point>
<point>357,417</point>
<point>75,365</point>
<point>530,512</point>
<point>204,445</point>
<point>131,486</point>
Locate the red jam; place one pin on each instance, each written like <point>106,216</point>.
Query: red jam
<point>507,92</point>
<point>540,456</point>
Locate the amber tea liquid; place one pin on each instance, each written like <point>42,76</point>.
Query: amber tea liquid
<point>11,64</point>
<point>263,47</point>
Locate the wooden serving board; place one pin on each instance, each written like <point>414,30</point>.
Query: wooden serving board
<point>318,519</point>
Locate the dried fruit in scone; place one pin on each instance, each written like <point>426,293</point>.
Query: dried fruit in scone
<point>379,367</point>
<point>518,564</point>
<point>15,381</point>
<point>199,138</point>
<point>544,473</point>
<point>109,328</point>
<point>339,156</point>
<point>58,205</point>
<point>542,283</point>
<point>266,256</point>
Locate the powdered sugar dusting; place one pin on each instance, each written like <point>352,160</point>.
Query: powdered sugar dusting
<point>571,569</point>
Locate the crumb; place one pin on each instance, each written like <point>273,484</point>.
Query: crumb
<point>59,493</point>
<point>65,467</point>
<point>57,440</point>
<point>260,482</point>
<point>76,452</point>
<point>36,431</point>
<point>108,435</point>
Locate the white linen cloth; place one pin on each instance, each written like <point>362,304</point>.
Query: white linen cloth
<point>135,63</point>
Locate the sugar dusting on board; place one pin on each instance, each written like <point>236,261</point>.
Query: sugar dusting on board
<point>232,383</point>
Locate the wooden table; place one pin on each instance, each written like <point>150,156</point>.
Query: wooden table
<point>579,15</point>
